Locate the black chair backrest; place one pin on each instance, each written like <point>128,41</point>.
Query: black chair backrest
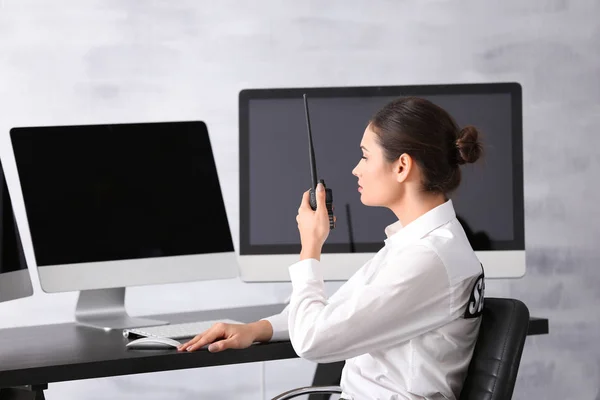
<point>495,363</point>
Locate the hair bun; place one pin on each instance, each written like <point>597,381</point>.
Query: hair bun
<point>468,147</point>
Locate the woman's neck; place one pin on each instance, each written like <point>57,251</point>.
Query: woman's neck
<point>411,207</point>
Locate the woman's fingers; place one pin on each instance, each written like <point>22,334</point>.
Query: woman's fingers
<point>231,343</point>
<point>221,337</point>
<point>305,203</point>
<point>187,344</point>
<point>209,336</point>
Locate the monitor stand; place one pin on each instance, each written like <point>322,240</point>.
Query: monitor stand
<point>105,309</point>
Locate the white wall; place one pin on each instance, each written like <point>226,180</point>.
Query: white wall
<point>76,62</point>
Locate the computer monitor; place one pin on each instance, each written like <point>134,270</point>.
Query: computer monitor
<point>274,172</point>
<point>116,205</point>
<point>15,281</point>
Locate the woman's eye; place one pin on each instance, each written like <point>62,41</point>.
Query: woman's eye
<point>364,158</point>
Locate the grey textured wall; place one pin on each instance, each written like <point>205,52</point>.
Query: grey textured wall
<point>65,62</point>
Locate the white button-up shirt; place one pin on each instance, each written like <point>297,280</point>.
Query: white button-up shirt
<point>406,322</point>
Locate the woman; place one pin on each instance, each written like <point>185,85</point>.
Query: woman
<point>407,321</point>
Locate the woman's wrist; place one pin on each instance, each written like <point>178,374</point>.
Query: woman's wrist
<point>263,330</point>
<point>310,251</point>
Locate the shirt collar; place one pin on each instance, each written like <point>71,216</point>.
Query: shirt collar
<point>432,219</point>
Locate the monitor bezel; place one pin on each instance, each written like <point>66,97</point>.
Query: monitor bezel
<point>139,271</point>
<point>246,95</point>
<point>15,284</point>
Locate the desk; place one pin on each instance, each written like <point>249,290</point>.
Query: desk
<point>36,356</point>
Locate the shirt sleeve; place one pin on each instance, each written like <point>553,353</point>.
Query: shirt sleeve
<point>410,295</point>
<point>279,322</point>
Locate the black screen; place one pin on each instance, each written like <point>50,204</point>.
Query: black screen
<point>12,257</point>
<point>274,168</point>
<point>123,191</point>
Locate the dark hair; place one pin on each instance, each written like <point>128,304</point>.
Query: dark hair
<point>431,137</point>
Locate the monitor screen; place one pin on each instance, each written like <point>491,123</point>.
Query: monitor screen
<point>12,257</point>
<point>119,192</point>
<point>274,164</point>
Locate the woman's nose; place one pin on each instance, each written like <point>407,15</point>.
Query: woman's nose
<point>355,171</point>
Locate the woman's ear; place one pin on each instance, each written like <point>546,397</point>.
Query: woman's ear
<point>402,167</point>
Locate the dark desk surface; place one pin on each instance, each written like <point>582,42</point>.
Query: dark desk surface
<point>54,353</point>
<point>538,326</point>
<point>62,352</point>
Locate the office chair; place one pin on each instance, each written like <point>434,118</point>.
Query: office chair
<point>493,369</point>
<point>325,390</point>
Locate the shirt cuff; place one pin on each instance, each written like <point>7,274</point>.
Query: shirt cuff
<point>305,271</point>
<point>301,273</point>
<point>279,322</point>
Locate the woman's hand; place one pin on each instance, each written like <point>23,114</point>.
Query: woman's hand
<point>223,336</point>
<point>313,225</point>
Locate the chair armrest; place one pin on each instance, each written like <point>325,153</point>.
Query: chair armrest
<point>308,390</point>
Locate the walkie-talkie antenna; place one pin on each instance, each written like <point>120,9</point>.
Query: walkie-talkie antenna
<point>312,193</point>
<point>350,229</point>
<point>311,149</point>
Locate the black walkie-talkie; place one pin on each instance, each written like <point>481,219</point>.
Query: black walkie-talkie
<point>313,174</point>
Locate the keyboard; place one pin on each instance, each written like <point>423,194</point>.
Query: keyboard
<point>175,331</point>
